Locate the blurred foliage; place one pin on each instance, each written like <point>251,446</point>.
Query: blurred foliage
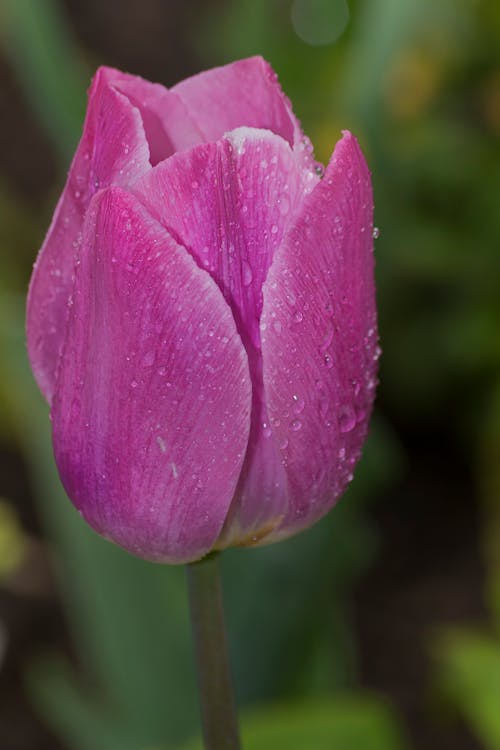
<point>343,723</point>
<point>469,678</point>
<point>49,67</point>
<point>419,83</point>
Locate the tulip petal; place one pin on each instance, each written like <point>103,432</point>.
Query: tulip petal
<point>167,123</point>
<point>319,340</point>
<point>152,407</point>
<point>244,93</point>
<point>113,149</point>
<point>230,203</point>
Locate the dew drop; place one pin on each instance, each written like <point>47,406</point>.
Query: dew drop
<point>347,418</point>
<point>296,425</point>
<point>284,205</point>
<point>274,229</point>
<point>360,414</point>
<point>328,361</point>
<point>134,383</point>
<point>376,233</point>
<point>341,454</point>
<point>319,169</point>
<point>298,317</point>
<point>284,444</point>
<point>247,275</point>
<point>266,430</point>
<point>148,359</point>
<point>326,341</point>
<point>299,404</point>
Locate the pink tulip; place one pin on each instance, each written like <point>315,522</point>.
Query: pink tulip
<point>201,316</point>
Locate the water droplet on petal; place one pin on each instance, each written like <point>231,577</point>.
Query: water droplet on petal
<point>299,404</point>
<point>376,233</point>
<point>148,359</point>
<point>161,444</point>
<point>360,414</point>
<point>327,340</point>
<point>266,430</point>
<point>328,361</point>
<point>296,425</point>
<point>347,418</point>
<point>298,317</point>
<point>284,205</point>
<point>247,275</point>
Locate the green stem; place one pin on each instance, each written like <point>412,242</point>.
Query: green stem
<point>218,710</point>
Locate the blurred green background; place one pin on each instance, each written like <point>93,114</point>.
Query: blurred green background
<point>379,629</point>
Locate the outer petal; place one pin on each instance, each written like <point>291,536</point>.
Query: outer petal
<point>113,149</point>
<point>152,406</point>
<point>319,341</point>
<point>230,204</point>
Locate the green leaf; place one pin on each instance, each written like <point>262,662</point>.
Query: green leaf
<point>341,723</point>
<point>49,65</point>
<point>470,679</point>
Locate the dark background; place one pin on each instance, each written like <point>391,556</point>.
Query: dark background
<point>394,600</point>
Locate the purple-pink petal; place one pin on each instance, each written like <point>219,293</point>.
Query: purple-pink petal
<point>230,204</point>
<point>113,150</point>
<point>319,339</point>
<point>245,93</point>
<point>167,123</point>
<point>151,411</point>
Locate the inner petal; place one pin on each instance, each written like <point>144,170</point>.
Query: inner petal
<point>230,203</point>
<point>167,124</point>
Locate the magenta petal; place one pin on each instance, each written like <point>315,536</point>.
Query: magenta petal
<point>230,204</point>
<point>319,340</point>
<point>167,123</point>
<point>113,149</point>
<point>152,407</point>
<point>244,93</point>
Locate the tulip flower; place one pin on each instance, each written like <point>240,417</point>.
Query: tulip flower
<point>201,316</point>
